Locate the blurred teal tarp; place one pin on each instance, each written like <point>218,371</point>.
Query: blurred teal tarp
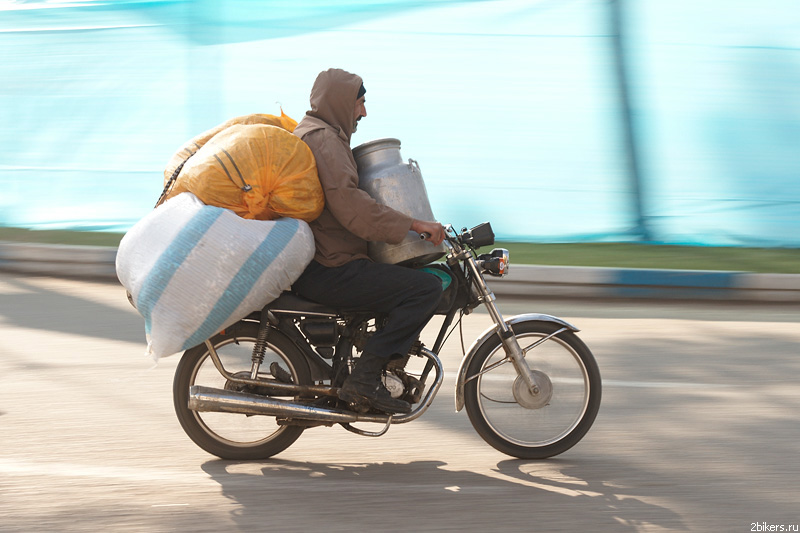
<point>511,107</point>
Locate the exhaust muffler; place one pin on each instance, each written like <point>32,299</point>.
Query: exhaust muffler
<point>225,401</point>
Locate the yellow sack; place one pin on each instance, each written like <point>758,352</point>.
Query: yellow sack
<point>192,146</point>
<point>257,171</point>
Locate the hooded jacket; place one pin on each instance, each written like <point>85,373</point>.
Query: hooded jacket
<point>351,217</point>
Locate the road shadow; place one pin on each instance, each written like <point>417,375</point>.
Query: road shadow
<point>30,306</point>
<point>426,495</point>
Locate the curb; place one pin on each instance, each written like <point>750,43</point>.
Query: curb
<point>98,262</point>
<point>656,284</point>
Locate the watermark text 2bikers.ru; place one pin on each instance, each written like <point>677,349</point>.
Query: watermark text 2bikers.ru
<point>764,526</point>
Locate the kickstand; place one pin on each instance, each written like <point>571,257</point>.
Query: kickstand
<point>348,427</point>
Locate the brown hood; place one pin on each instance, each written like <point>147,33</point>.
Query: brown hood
<point>333,101</point>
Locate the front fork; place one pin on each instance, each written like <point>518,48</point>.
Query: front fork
<point>507,337</point>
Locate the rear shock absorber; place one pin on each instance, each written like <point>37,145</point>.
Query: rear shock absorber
<point>260,347</point>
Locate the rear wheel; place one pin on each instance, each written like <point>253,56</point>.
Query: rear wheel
<point>522,424</point>
<point>230,435</point>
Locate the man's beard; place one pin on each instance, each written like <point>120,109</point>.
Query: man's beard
<point>355,125</point>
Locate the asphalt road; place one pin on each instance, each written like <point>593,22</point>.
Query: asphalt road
<point>698,431</point>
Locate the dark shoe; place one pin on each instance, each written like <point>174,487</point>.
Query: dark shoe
<point>364,386</point>
<point>375,394</point>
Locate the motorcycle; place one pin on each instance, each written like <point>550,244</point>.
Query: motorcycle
<point>530,386</point>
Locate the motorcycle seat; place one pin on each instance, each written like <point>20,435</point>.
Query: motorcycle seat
<point>288,302</point>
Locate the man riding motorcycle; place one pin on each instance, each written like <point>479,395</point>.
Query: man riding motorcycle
<point>342,274</point>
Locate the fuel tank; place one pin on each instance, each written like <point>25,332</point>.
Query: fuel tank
<point>384,175</point>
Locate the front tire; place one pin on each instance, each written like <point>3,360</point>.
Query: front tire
<point>230,435</point>
<point>514,421</point>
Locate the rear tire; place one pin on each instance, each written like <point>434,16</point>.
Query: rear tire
<point>229,435</point>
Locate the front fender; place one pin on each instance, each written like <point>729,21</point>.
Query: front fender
<point>492,330</point>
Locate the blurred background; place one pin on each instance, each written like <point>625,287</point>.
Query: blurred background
<point>558,120</point>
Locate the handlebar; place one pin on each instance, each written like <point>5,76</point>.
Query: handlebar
<point>480,235</point>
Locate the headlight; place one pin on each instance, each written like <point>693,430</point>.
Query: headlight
<point>494,263</point>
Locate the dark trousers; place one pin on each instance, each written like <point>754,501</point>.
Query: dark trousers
<point>408,297</point>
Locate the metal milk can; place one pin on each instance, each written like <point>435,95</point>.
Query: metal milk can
<point>386,178</point>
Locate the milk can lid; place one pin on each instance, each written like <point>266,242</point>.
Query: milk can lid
<point>373,146</point>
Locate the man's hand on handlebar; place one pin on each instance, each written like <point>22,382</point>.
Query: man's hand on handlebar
<point>430,231</point>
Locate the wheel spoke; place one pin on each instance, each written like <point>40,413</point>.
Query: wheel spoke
<point>542,340</point>
<point>488,369</point>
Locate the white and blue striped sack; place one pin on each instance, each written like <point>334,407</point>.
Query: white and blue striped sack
<point>193,269</point>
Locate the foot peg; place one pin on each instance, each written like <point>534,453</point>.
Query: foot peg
<point>279,373</point>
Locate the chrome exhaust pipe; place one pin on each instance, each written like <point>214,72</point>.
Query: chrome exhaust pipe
<point>225,401</point>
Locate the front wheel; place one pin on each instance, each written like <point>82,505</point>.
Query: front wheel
<point>230,435</point>
<point>533,426</point>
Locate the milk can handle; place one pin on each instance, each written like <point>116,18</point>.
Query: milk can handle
<point>414,163</point>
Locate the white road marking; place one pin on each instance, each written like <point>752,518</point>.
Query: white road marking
<point>22,467</point>
<point>662,384</point>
